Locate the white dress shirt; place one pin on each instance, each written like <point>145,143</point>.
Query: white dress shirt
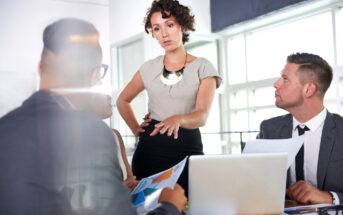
<point>311,148</point>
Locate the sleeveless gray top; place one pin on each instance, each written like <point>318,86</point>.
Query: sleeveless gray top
<point>168,100</point>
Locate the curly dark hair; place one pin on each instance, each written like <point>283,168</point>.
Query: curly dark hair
<point>170,8</point>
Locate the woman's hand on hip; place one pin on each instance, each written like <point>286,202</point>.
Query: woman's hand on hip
<point>140,128</point>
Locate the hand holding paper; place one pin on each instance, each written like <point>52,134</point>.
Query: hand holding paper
<point>145,195</point>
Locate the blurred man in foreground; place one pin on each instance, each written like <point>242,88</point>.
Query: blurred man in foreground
<point>56,159</point>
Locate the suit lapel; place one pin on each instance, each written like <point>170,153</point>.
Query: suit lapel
<point>286,127</point>
<point>326,146</point>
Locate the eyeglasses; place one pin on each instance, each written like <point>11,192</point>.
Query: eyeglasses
<point>103,70</point>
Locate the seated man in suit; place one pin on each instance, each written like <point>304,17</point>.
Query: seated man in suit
<point>58,160</point>
<point>317,174</point>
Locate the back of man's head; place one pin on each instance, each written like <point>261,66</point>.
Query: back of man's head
<point>70,54</point>
<point>313,68</point>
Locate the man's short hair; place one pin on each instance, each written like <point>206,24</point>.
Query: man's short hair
<point>78,41</point>
<point>313,67</point>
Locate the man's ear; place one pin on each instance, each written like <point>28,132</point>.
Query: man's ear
<point>39,68</point>
<point>311,89</point>
<point>94,78</point>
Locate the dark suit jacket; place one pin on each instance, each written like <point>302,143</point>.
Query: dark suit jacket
<point>330,160</point>
<point>59,161</point>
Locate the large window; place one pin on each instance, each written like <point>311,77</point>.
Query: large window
<point>267,48</point>
<point>256,56</point>
<point>339,35</point>
<point>210,132</point>
<point>126,59</point>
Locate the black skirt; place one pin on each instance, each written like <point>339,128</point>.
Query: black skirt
<point>157,153</point>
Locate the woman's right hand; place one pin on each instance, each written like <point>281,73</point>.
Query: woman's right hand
<point>145,123</point>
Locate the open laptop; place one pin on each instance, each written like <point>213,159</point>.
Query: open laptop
<point>237,184</point>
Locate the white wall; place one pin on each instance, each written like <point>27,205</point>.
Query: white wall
<point>126,17</point>
<point>21,26</point>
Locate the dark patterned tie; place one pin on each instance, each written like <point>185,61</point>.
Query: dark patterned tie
<point>299,159</point>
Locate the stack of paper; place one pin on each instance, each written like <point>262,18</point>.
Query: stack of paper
<point>289,146</point>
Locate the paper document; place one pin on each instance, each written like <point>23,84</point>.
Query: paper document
<point>290,146</point>
<point>145,195</point>
<point>312,209</point>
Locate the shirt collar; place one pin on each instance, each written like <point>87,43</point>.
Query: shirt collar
<point>314,123</point>
<point>64,102</point>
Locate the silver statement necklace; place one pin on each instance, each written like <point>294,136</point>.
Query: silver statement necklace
<point>171,78</point>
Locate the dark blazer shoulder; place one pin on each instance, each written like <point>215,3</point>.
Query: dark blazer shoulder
<point>338,119</point>
<point>332,121</point>
<point>276,128</point>
<point>277,119</point>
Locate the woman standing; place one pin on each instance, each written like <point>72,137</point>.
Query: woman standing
<point>180,91</point>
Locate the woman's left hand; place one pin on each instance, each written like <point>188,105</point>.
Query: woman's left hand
<point>170,126</point>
